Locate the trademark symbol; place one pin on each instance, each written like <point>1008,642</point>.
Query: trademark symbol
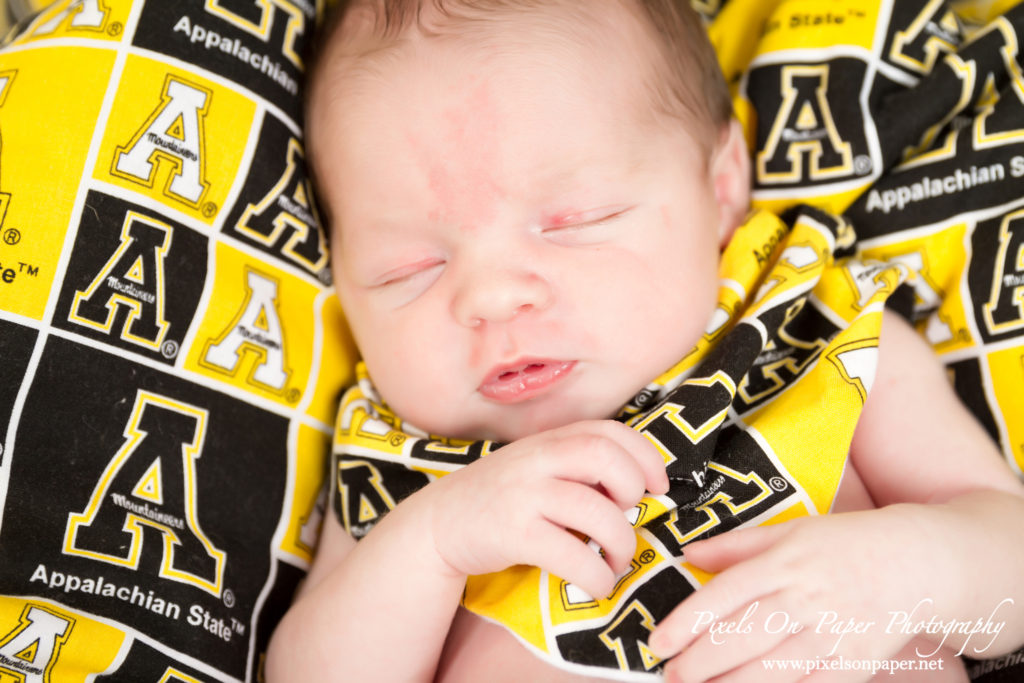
<point>12,236</point>
<point>169,349</point>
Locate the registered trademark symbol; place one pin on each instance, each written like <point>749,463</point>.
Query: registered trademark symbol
<point>11,236</point>
<point>647,556</point>
<point>862,164</point>
<point>229,597</point>
<point>778,484</point>
<point>397,439</point>
<point>209,210</point>
<point>293,395</point>
<point>115,28</point>
<point>169,349</point>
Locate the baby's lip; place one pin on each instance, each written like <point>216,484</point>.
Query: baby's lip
<point>524,379</point>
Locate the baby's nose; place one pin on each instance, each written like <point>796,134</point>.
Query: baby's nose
<point>497,296</point>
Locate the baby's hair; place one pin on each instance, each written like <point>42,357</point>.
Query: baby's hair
<point>688,82</point>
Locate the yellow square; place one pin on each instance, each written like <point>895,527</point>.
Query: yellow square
<point>49,101</point>
<point>937,259</point>
<point>175,137</point>
<point>257,330</point>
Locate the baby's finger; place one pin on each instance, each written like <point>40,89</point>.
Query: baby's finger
<point>718,553</point>
<point>560,553</point>
<point>583,509</point>
<point>640,450</point>
<point>651,461</point>
<point>598,461</point>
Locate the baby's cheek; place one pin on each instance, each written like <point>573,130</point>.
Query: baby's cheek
<point>420,385</point>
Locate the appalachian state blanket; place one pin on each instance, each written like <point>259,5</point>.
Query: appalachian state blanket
<point>906,117</point>
<point>168,333</point>
<point>754,425</point>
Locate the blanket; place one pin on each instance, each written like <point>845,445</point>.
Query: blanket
<point>909,122</point>
<point>167,332</point>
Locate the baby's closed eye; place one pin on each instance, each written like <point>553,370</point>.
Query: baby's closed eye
<point>403,284</point>
<point>408,273</point>
<point>581,228</point>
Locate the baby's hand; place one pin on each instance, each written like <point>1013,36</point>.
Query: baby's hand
<point>518,505</point>
<point>811,589</point>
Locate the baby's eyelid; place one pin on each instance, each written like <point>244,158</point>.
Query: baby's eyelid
<point>584,219</point>
<point>407,272</point>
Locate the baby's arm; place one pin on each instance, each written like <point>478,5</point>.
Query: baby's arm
<point>947,540</point>
<point>380,609</point>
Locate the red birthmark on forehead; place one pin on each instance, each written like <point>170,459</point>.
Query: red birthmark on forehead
<point>461,159</point>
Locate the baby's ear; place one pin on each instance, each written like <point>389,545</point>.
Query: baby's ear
<point>730,175</point>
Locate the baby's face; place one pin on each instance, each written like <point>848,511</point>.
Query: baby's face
<point>513,248</point>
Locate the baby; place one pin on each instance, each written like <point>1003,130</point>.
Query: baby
<point>528,202</point>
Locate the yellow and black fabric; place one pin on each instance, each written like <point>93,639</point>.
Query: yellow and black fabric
<point>907,117</point>
<point>171,352</point>
<point>754,425</point>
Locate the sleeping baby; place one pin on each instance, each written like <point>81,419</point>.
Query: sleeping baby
<point>587,365</point>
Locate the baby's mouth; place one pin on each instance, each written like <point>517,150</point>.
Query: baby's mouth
<point>524,380</point>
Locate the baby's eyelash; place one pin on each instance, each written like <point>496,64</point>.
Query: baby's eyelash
<point>405,273</point>
<point>587,219</point>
